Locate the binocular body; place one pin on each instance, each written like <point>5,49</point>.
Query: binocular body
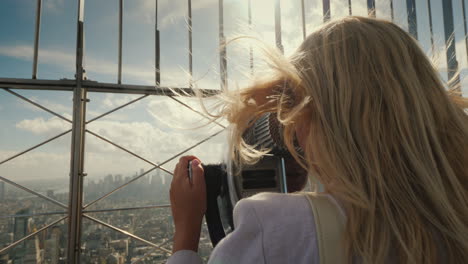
<point>224,189</point>
<point>226,184</point>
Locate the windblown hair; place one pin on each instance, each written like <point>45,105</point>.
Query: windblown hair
<point>383,135</point>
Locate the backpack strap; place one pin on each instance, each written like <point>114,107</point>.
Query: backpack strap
<point>329,225</point>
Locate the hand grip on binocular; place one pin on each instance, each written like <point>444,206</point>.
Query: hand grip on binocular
<point>214,177</point>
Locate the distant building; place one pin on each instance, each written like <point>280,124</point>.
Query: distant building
<point>50,194</point>
<point>155,180</point>
<point>6,238</point>
<point>28,251</point>
<point>115,258</point>
<point>34,254</point>
<point>170,226</point>
<point>20,230</point>
<point>2,191</point>
<point>52,246</point>
<point>118,179</point>
<point>120,245</point>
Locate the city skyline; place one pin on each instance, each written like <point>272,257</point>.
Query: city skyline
<point>98,242</point>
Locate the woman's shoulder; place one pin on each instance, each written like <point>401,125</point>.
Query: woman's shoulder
<point>286,222</point>
<point>268,203</point>
<point>271,210</point>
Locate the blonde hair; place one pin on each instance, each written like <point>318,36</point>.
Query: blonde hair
<point>382,134</point>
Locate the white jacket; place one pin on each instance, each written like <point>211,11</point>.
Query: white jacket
<point>270,228</point>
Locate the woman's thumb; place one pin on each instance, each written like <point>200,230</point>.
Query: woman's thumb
<point>197,173</point>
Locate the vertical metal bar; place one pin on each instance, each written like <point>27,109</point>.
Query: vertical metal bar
<point>452,63</point>
<point>119,77</point>
<point>250,28</point>
<point>36,37</point>
<point>75,206</point>
<point>431,30</point>
<point>279,44</point>
<point>304,30</point>
<point>222,44</point>
<point>392,14</point>
<point>371,8</point>
<point>157,47</point>
<point>190,42</point>
<point>464,26</point>
<point>350,8</point>
<point>412,20</point>
<point>326,10</point>
<point>283,181</point>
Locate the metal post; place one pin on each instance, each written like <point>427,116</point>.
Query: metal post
<point>157,48</point>
<point>190,42</point>
<point>283,180</point>
<point>391,11</point>
<point>464,26</point>
<point>452,63</point>
<point>250,28</point>
<point>279,44</point>
<point>36,37</point>
<point>349,8</point>
<point>412,21</point>
<point>222,44</point>
<point>431,30</point>
<point>304,31</point>
<point>77,148</point>
<point>371,8</point>
<point>326,10</point>
<point>119,77</point>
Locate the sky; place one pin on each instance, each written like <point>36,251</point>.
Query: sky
<point>155,127</point>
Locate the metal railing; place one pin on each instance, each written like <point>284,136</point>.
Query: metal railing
<point>75,210</point>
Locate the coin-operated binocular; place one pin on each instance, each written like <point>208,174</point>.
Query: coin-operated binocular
<point>226,185</point>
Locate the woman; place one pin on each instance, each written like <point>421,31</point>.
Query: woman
<point>377,129</point>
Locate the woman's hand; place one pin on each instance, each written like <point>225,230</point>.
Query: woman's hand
<point>188,203</point>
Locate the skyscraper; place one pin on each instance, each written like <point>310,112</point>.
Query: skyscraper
<point>20,231</point>
<point>2,191</point>
<point>52,248</point>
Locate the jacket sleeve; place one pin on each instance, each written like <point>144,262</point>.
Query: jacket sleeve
<point>245,243</point>
<point>184,257</point>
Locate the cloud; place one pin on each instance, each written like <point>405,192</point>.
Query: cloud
<point>168,10</point>
<point>170,114</point>
<point>24,52</point>
<point>53,106</point>
<point>115,116</point>
<point>170,130</point>
<point>53,125</point>
<point>172,76</point>
<point>54,6</point>
<point>48,56</point>
<point>143,138</point>
<point>35,165</point>
<point>113,100</point>
<point>66,60</point>
<point>140,137</point>
<point>148,141</point>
